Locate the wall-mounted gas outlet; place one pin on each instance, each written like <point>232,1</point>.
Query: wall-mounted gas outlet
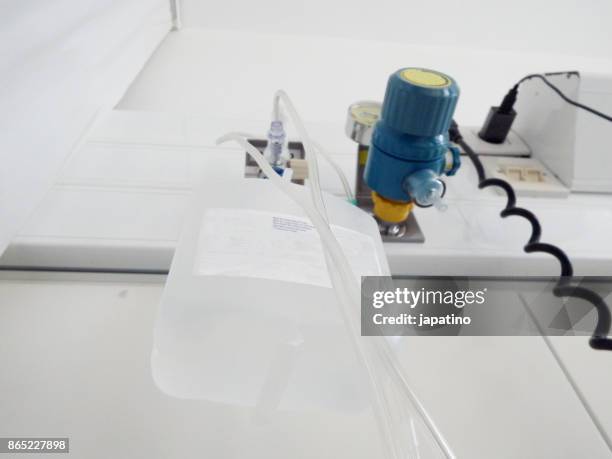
<point>296,150</point>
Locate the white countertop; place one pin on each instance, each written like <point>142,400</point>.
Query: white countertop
<point>120,200</point>
<point>76,363</point>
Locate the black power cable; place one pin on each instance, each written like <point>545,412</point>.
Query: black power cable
<point>499,119</point>
<point>564,287</point>
<point>561,94</point>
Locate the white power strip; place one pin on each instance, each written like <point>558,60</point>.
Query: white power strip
<point>512,146</point>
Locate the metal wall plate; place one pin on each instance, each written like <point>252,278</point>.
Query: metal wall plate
<point>410,231</point>
<point>251,169</point>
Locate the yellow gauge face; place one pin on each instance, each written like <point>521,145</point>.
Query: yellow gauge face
<point>366,113</point>
<point>427,78</point>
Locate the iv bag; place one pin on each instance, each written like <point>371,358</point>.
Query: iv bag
<point>248,316</point>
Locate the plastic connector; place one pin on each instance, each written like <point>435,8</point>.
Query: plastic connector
<point>276,151</point>
<point>426,189</point>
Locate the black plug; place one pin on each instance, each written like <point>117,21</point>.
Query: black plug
<point>499,120</point>
<point>453,132</point>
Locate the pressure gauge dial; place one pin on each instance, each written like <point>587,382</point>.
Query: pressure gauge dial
<point>361,118</point>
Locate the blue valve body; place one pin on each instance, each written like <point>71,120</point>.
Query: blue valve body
<point>394,156</point>
<point>412,133</point>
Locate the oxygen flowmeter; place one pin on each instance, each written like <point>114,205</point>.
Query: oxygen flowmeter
<point>409,148</point>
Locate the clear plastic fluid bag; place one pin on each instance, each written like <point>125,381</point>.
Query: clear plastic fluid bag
<point>248,316</point>
<point>248,319</point>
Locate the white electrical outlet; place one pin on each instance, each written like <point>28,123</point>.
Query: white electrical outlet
<point>528,176</point>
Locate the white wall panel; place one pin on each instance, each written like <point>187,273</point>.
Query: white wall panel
<point>62,63</point>
<point>572,27</point>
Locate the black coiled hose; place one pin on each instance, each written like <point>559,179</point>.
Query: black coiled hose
<point>564,287</point>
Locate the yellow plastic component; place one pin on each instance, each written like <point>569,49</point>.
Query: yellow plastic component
<point>426,78</point>
<point>389,210</point>
<point>363,156</point>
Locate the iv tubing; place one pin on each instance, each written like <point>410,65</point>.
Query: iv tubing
<point>346,288</point>
<point>337,278</point>
<point>345,184</point>
<point>310,146</point>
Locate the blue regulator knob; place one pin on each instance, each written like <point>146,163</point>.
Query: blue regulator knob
<point>410,149</point>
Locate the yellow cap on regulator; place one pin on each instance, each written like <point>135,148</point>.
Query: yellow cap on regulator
<point>389,210</point>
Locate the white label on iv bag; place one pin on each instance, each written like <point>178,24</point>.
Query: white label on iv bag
<point>267,245</point>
